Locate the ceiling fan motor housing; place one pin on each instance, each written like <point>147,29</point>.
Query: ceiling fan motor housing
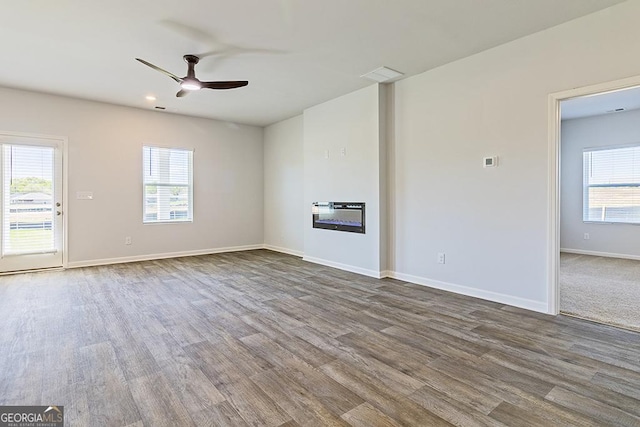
<point>191,59</point>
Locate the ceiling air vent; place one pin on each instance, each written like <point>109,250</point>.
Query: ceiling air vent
<point>383,74</point>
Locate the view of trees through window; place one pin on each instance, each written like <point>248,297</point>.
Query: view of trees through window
<point>31,184</point>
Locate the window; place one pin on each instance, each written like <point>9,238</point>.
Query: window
<point>28,195</point>
<point>612,185</point>
<point>168,184</point>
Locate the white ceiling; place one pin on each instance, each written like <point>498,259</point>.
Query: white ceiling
<point>605,103</point>
<point>295,53</point>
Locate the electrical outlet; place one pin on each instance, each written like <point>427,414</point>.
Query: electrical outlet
<point>127,240</point>
<point>586,236</point>
<point>440,257</point>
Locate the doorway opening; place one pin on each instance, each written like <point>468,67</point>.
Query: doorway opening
<point>595,203</point>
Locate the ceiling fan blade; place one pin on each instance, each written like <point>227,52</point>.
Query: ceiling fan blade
<point>224,85</point>
<point>155,67</point>
<point>182,93</point>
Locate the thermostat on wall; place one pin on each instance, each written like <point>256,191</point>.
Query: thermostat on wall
<point>490,162</point>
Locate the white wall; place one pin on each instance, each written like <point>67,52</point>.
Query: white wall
<point>350,122</point>
<point>493,223</point>
<point>284,210</point>
<point>589,132</point>
<point>105,155</point>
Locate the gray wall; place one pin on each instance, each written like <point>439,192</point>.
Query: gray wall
<point>599,131</point>
<point>491,223</point>
<point>284,212</point>
<point>351,123</point>
<point>105,156</point>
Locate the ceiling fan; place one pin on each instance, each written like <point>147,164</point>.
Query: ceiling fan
<point>189,82</point>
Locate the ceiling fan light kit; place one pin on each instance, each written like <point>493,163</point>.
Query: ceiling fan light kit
<point>190,82</point>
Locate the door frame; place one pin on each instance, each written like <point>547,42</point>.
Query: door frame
<point>63,143</point>
<point>553,248</point>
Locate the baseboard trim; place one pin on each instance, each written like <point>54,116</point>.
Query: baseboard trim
<point>38,270</point>
<point>151,257</point>
<point>345,267</point>
<point>284,250</point>
<point>450,287</point>
<point>386,273</point>
<point>597,253</point>
<point>527,304</point>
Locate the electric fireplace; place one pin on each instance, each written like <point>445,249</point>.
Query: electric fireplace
<point>339,216</point>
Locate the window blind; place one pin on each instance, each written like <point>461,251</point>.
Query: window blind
<point>168,184</point>
<point>27,205</point>
<point>612,185</point>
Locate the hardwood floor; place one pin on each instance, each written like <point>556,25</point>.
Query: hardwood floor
<point>265,339</point>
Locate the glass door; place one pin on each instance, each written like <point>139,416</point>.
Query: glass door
<point>31,211</point>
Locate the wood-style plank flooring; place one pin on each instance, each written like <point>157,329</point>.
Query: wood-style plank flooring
<point>264,339</point>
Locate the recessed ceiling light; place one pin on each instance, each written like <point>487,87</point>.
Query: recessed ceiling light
<point>150,98</point>
<point>382,74</point>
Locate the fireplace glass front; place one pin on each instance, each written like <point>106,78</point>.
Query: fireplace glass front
<point>340,216</point>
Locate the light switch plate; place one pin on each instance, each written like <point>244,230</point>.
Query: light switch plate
<point>84,195</point>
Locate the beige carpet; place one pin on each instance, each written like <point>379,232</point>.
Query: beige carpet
<point>605,290</point>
